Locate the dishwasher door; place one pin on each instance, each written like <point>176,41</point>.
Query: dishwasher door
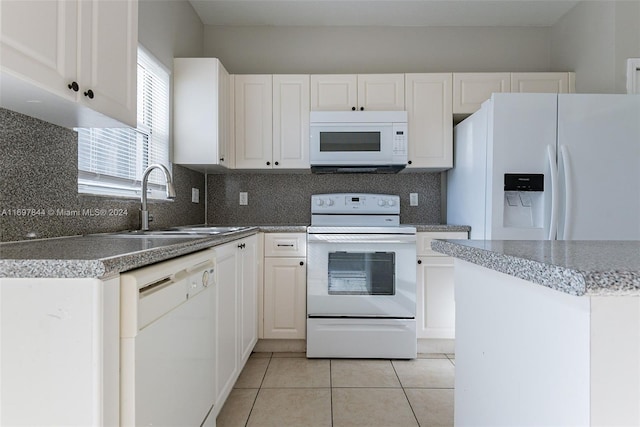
<point>167,364</point>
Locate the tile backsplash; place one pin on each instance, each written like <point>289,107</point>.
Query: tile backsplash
<point>39,189</point>
<point>39,194</point>
<point>285,199</point>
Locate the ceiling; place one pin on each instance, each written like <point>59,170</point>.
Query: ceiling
<point>464,13</point>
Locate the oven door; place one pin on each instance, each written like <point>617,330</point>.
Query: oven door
<point>361,275</point>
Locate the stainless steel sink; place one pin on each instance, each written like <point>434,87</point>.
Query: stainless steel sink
<point>179,232</point>
<point>209,230</point>
<point>164,234</point>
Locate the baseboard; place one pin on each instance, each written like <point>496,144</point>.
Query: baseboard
<point>280,345</point>
<point>298,346</point>
<point>432,345</point>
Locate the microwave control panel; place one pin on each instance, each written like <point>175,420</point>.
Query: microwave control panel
<point>400,140</point>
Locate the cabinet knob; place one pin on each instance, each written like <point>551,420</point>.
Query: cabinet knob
<point>268,163</point>
<point>276,163</point>
<point>73,86</point>
<point>419,261</point>
<point>409,162</point>
<point>361,108</point>
<point>301,262</point>
<point>353,108</point>
<point>241,246</point>
<point>222,159</point>
<point>89,94</point>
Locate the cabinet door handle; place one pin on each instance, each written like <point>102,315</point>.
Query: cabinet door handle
<point>73,86</point>
<point>268,163</point>
<point>419,261</point>
<point>301,262</point>
<point>361,108</point>
<point>353,108</point>
<point>89,94</point>
<point>241,246</point>
<point>409,162</point>
<point>277,163</point>
<point>222,159</point>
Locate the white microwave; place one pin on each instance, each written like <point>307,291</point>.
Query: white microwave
<point>358,141</point>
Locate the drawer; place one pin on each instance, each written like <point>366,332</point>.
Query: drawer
<point>285,245</point>
<point>424,240</point>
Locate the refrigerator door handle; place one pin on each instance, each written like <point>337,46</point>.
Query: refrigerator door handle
<point>568,200</point>
<point>553,221</point>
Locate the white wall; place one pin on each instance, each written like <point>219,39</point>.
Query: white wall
<point>262,49</point>
<point>594,39</point>
<point>170,29</point>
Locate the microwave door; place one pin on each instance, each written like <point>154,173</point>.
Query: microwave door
<point>358,144</point>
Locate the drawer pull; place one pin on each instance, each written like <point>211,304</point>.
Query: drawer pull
<point>286,246</point>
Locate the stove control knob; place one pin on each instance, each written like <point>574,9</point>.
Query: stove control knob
<point>319,202</point>
<point>329,202</point>
<point>391,203</point>
<point>381,202</point>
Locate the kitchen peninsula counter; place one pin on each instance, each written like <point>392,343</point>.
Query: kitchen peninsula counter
<point>547,332</point>
<point>574,267</point>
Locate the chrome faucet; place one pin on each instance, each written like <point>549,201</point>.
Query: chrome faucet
<point>171,192</point>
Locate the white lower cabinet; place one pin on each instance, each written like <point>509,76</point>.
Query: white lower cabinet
<point>285,286</point>
<point>236,312</point>
<point>60,345</point>
<point>435,305</point>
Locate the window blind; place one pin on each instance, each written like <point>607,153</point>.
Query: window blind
<point>111,160</point>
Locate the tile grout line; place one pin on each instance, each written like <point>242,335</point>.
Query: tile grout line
<point>415,417</point>
<point>331,391</point>
<point>246,423</point>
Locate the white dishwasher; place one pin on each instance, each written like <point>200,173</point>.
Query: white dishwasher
<point>167,369</point>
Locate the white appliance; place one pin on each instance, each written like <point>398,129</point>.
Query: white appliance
<point>167,343</point>
<point>358,141</point>
<point>361,278</point>
<point>547,166</point>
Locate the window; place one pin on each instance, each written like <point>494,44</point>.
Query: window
<point>111,161</point>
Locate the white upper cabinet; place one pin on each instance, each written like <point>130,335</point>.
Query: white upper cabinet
<point>291,121</point>
<point>381,92</point>
<point>271,121</point>
<point>350,92</point>
<point>430,118</point>
<point>334,92</point>
<point>543,82</point>
<point>202,117</point>
<point>470,90</point>
<point>253,121</point>
<point>70,63</point>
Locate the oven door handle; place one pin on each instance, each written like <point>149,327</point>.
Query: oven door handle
<point>361,238</point>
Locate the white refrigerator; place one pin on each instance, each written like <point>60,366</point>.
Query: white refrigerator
<point>547,166</point>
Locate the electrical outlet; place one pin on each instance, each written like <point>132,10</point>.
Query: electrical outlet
<point>244,198</point>
<point>195,195</point>
<point>413,199</point>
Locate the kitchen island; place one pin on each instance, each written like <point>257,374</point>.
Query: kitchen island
<point>547,332</point>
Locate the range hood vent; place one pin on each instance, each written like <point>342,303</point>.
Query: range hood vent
<point>358,169</point>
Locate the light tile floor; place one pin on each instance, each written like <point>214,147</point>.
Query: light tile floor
<point>287,389</point>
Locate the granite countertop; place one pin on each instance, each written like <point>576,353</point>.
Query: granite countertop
<point>106,255</point>
<point>100,256</point>
<point>574,267</point>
